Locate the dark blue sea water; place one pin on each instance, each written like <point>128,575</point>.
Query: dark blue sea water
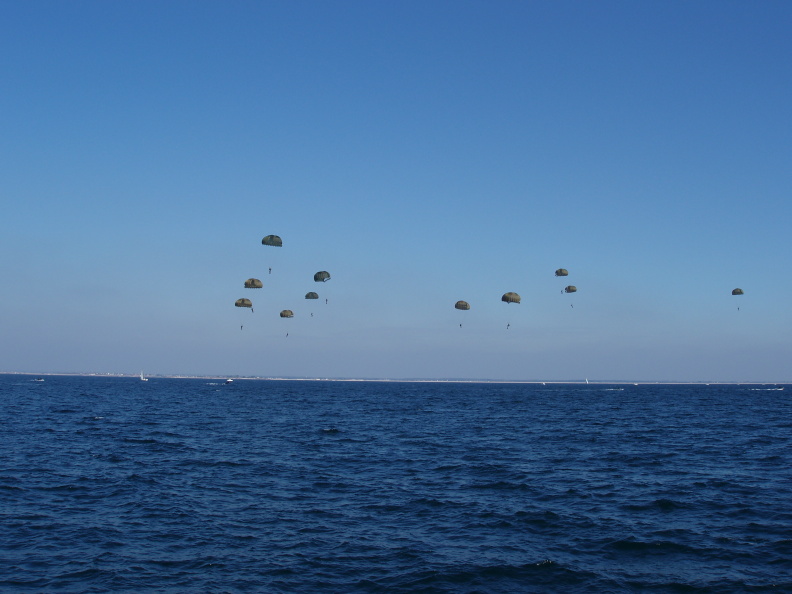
<point>189,485</point>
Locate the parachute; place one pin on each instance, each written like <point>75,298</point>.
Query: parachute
<point>738,292</point>
<point>510,298</point>
<point>322,276</point>
<point>243,303</point>
<point>253,283</point>
<point>562,272</point>
<point>311,295</point>
<point>462,305</point>
<point>272,240</point>
<point>287,313</point>
<point>570,289</point>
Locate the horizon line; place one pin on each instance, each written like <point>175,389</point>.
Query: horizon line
<point>583,381</point>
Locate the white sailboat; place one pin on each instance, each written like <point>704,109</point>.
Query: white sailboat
<point>143,379</point>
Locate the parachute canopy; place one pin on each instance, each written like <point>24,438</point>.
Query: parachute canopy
<point>243,303</point>
<point>253,283</point>
<point>570,289</point>
<point>462,305</point>
<point>287,313</point>
<point>510,298</point>
<point>562,272</point>
<point>272,240</point>
<point>311,295</point>
<point>738,292</point>
<point>322,276</point>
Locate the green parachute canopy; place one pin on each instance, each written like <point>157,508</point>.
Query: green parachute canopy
<point>322,276</point>
<point>243,303</point>
<point>510,298</point>
<point>311,295</point>
<point>253,283</point>
<point>570,289</point>
<point>462,305</point>
<point>562,272</point>
<point>272,240</point>
<point>738,292</point>
<point>287,313</point>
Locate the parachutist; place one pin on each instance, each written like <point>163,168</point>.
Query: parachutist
<point>325,301</point>
<point>311,314</point>
<point>507,326</point>
<point>270,270</point>
<point>240,327</point>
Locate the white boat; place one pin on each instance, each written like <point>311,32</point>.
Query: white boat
<point>143,379</point>
<point>229,381</point>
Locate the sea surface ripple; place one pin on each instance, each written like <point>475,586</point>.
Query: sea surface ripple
<point>110,484</point>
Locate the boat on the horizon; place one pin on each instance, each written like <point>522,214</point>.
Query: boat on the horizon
<point>229,381</point>
<point>142,378</point>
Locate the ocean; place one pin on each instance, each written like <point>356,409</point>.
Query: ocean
<point>111,484</point>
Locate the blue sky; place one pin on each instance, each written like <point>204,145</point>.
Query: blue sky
<point>422,152</point>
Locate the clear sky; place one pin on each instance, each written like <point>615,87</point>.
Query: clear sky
<point>422,153</point>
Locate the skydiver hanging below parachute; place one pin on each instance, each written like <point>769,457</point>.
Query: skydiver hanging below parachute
<point>244,303</point>
<point>322,277</point>
<point>738,292</point>
<point>570,289</point>
<point>274,241</point>
<point>563,272</point>
<point>462,305</point>
<point>253,283</point>
<point>311,295</point>
<point>510,297</point>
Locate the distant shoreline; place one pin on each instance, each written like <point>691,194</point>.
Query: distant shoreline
<point>407,380</point>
